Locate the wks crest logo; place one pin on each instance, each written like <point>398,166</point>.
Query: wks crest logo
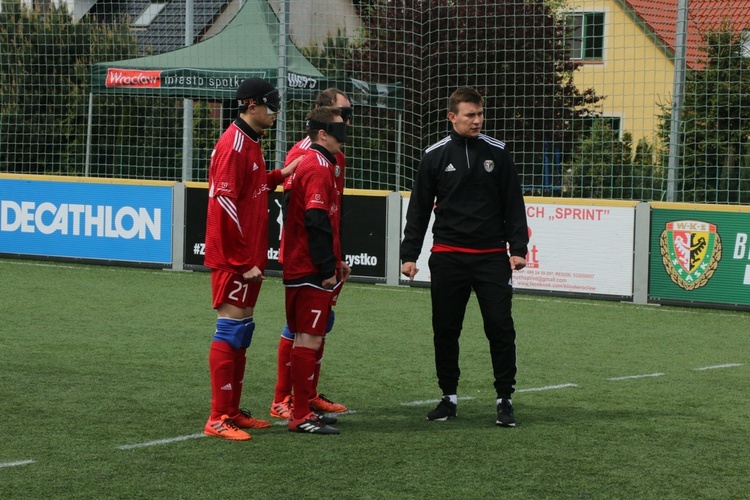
<point>690,251</point>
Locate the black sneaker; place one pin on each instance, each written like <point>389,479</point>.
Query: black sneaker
<point>327,419</point>
<point>312,424</point>
<point>506,417</point>
<point>444,410</point>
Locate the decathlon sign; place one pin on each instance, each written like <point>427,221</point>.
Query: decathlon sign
<point>86,220</point>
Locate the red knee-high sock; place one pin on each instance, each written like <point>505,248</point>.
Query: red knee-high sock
<point>316,376</point>
<point>303,368</point>
<point>221,367</point>
<point>240,360</point>
<point>283,370</point>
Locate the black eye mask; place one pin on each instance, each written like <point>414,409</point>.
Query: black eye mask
<point>336,129</point>
<point>272,101</point>
<point>347,113</point>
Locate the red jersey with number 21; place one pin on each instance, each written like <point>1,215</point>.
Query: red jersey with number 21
<point>237,221</point>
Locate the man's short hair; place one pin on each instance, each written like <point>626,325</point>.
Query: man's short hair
<point>329,97</point>
<point>321,114</point>
<point>464,94</point>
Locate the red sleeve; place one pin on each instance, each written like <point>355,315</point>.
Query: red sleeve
<point>292,155</point>
<point>273,179</point>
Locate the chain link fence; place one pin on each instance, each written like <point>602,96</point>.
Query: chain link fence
<point>615,99</point>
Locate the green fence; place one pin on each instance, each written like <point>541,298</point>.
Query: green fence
<point>620,99</point>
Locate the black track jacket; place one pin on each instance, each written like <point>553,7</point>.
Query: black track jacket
<point>474,188</point>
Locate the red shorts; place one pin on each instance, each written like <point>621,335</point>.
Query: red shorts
<point>230,288</point>
<point>336,292</point>
<point>308,308</point>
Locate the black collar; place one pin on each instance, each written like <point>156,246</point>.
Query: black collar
<point>455,136</point>
<point>242,124</point>
<point>325,152</point>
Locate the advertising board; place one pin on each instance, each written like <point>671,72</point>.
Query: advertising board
<point>363,223</point>
<point>700,255</point>
<point>583,247</point>
<point>129,222</point>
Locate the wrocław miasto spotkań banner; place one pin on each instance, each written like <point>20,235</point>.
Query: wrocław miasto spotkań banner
<point>700,254</point>
<point>576,246</point>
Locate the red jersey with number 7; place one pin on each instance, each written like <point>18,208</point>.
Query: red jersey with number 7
<point>299,149</point>
<point>315,186</point>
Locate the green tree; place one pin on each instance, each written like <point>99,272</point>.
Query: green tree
<point>648,177</point>
<point>602,166</point>
<point>512,51</point>
<point>44,79</point>
<point>715,123</point>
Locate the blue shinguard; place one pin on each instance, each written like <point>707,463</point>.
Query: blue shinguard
<point>286,334</point>
<point>331,319</point>
<point>249,330</point>
<point>236,332</point>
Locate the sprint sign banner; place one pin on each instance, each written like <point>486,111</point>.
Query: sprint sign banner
<point>579,248</point>
<point>573,248</point>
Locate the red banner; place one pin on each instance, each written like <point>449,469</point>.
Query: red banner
<point>133,78</point>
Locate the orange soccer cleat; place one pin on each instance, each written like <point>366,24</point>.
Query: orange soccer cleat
<point>282,409</point>
<point>245,420</point>
<point>225,428</point>
<point>321,403</point>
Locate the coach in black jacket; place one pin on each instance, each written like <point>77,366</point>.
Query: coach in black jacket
<point>470,181</point>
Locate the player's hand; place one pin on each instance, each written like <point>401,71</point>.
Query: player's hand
<point>289,169</point>
<point>517,263</point>
<point>409,269</point>
<point>345,271</point>
<point>254,274</point>
<point>329,283</point>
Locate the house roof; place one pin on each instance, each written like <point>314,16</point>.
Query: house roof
<point>167,31</point>
<point>660,18</point>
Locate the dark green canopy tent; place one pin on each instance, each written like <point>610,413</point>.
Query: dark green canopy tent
<point>247,47</point>
<point>251,45</point>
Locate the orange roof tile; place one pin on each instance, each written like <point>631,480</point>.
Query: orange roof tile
<point>660,17</point>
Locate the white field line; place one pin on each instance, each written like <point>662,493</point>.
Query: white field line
<point>16,464</point>
<point>431,401</point>
<point>161,441</point>
<point>637,376</point>
<point>547,388</point>
<point>531,389</point>
<point>408,403</point>
<point>347,412</point>
<point>716,367</point>
<point>39,264</point>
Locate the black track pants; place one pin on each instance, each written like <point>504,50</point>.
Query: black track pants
<point>453,276</point>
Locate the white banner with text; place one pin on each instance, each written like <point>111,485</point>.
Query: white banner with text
<point>577,247</point>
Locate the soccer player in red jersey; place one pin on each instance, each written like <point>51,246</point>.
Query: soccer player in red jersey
<point>281,407</point>
<point>237,250</point>
<point>313,268</point>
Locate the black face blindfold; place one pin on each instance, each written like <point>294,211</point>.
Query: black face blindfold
<point>336,129</point>
<point>347,114</point>
<point>272,100</point>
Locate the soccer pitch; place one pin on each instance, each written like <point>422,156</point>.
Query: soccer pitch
<point>104,393</point>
